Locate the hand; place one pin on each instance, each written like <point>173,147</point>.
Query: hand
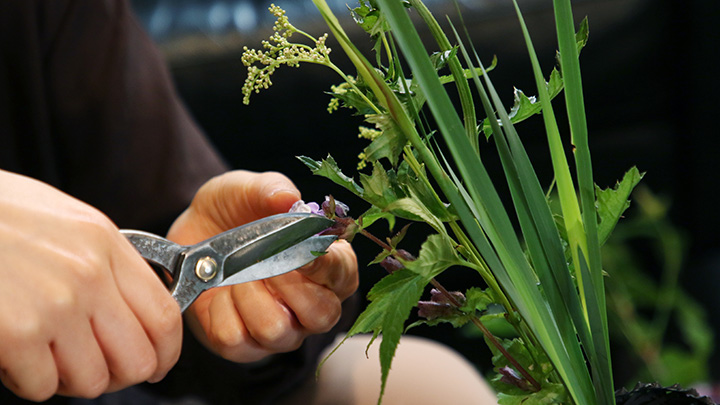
<point>81,313</point>
<point>247,322</point>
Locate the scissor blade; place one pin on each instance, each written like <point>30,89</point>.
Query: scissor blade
<point>283,262</point>
<point>249,244</point>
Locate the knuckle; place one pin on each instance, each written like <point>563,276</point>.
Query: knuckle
<point>276,334</point>
<point>95,386</point>
<point>19,330</point>
<point>168,322</point>
<point>325,318</point>
<point>140,369</point>
<point>145,367</point>
<point>226,338</point>
<point>61,299</point>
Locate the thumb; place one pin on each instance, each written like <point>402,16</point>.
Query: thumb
<point>238,197</point>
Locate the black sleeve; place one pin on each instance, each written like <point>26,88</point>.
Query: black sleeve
<point>87,105</point>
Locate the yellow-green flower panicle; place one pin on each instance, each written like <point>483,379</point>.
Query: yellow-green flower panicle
<point>277,51</point>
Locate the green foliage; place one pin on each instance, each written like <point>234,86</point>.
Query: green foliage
<point>644,309</point>
<point>329,168</point>
<point>391,300</point>
<point>612,202</point>
<point>545,288</point>
<point>538,365</point>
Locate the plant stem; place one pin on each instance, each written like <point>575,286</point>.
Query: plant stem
<point>475,320</point>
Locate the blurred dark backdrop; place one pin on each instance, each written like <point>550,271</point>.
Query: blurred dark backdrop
<point>651,87</point>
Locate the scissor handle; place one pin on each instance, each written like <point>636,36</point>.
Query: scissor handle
<point>265,248</point>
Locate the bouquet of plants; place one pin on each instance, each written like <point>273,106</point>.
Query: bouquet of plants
<point>539,257</point>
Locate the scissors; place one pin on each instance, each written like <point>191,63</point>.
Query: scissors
<point>261,249</point>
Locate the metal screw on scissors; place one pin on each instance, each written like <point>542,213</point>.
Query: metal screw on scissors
<point>265,248</point>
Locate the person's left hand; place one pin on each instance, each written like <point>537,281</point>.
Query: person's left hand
<point>246,322</point>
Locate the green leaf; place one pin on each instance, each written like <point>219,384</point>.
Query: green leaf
<point>436,255</point>
<point>368,18</point>
<point>525,107</point>
<point>329,168</point>
<point>612,202</point>
<point>416,182</point>
<point>499,326</point>
<point>391,301</point>
<point>440,59</point>
<point>531,359</point>
<point>411,208</point>
<point>381,188</point>
<point>353,99</point>
<point>373,214</point>
<point>388,145</point>
<point>682,367</point>
<point>477,299</point>
<point>581,36</point>
<point>694,326</point>
<point>549,394</point>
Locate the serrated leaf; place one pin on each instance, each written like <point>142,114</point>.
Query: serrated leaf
<point>499,326</point>
<point>328,168</point>
<point>390,144</point>
<point>381,187</point>
<point>612,202</point>
<point>391,301</point>
<point>525,107</point>
<point>436,255</point>
<point>476,299</point>
<point>374,214</point>
<point>424,193</point>
<point>412,208</point>
<point>440,59</point>
<point>581,36</point>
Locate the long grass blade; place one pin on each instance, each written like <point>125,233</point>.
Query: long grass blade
<point>497,224</point>
<point>575,105</point>
<point>541,235</point>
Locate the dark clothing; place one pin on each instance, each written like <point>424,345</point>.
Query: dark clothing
<point>87,105</point>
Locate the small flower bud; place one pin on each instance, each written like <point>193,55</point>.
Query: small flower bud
<point>344,228</point>
<point>439,297</point>
<point>432,310</point>
<point>512,377</point>
<point>332,207</point>
<point>391,264</point>
<point>405,255</point>
<point>439,305</point>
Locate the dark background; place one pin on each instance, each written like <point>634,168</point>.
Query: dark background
<point>651,87</point>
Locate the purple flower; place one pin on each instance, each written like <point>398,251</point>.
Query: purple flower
<point>432,310</point>
<point>334,207</point>
<point>440,305</point>
<point>344,227</point>
<point>512,377</point>
<point>311,207</point>
<point>391,264</point>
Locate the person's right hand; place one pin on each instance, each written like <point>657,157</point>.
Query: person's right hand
<point>81,313</point>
